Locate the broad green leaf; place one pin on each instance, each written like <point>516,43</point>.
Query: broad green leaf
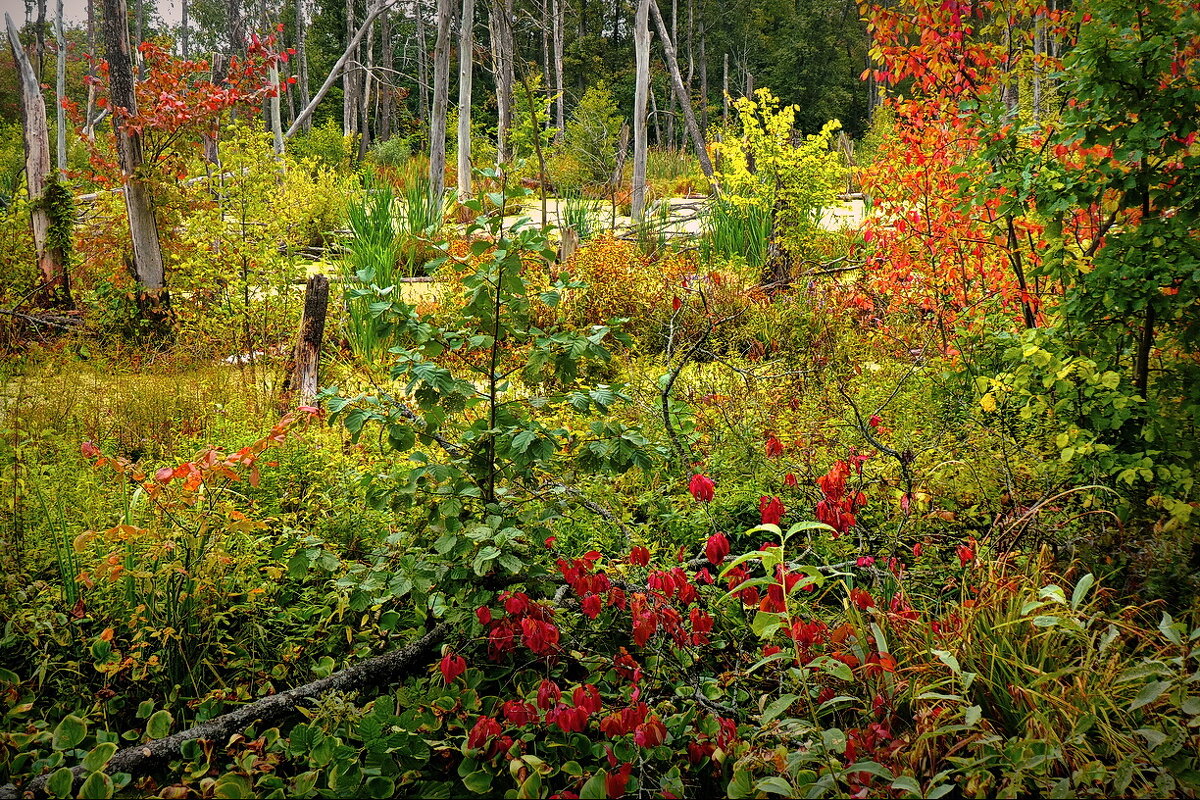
<point>159,724</point>
<point>99,786</point>
<point>1149,693</point>
<point>95,760</point>
<point>595,789</point>
<point>777,707</point>
<point>61,782</point>
<point>775,785</point>
<point>69,733</point>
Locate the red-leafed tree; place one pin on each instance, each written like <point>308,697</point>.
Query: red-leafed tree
<point>941,237</point>
<point>159,124</point>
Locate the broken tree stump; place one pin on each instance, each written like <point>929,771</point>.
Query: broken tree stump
<point>302,368</point>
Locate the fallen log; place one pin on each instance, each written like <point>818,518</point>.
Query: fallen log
<point>370,674</point>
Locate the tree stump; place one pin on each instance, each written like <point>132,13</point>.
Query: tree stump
<point>301,378</point>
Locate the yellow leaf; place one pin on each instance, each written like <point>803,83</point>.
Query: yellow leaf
<point>988,402</point>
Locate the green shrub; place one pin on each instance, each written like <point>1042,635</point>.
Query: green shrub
<point>325,145</point>
<point>593,133</point>
<point>393,152</point>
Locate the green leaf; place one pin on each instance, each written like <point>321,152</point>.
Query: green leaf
<point>60,782</point>
<point>69,733</point>
<point>741,786</point>
<point>479,782</point>
<point>99,786</point>
<point>231,786</point>
<point>95,760</point>
<point>595,789</point>
<point>1081,590</point>
<point>159,724</point>
<point>775,785</point>
<point>1149,693</point>
<point>777,707</point>
<point>765,623</point>
<point>908,784</point>
<point>381,787</point>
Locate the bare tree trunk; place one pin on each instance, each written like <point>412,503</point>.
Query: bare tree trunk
<point>422,64</point>
<point>185,32</point>
<point>689,117</point>
<point>302,57</point>
<point>559,88</point>
<point>147,264</point>
<point>40,33</point>
<point>51,257</point>
<point>367,57</point>
<point>654,115</point>
<point>502,59</point>
<point>441,100</point>
<point>703,85</point>
<point>466,51</point>
<point>60,90</point>
<point>350,79</point>
<point>276,112</point>
<point>302,376</point>
<point>641,94</point>
<point>330,79</point>
<point>384,94</point>
<point>91,70</point>
<point>547,78</point>
<point>671,98</point>
<point>725,91</point>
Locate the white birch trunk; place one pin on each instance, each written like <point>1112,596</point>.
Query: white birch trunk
<point>689,117</point>
<point>50,260</point>
<point>441,100</point>
<point>466,51</point>
<point>641,95</point>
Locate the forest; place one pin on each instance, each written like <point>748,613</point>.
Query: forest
<point>600,398</point>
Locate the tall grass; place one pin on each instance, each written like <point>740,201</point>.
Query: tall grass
<point>581,214</point>
<point>389,241</point>
<point>652,233</point>
<point>734,230</point>
<point>369,259</point>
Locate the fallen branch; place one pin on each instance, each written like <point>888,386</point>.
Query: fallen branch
<point>370,674</point>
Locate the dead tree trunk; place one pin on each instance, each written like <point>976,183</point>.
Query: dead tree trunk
<point>51,254</point>
<point>147,266</point>
<point>502,59</point>
<point>303,117</point>
<point>138,759</point>
<point>302,375</point>
<point>641,96</point>
<point>60,90</point>
<point>302,58</point>
<point>441,100</point>
<point>466,50</point>
<point>422,64</point>
<point>681,94</point>
<point>560,99</point>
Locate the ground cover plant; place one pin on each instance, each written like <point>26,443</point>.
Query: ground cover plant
<point>758,490</point>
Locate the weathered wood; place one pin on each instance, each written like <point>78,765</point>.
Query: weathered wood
<point>466,60</point>
<point>559,88</point>
<point>441,100</point>
<point>51,258</point>
<point>641,97</point>
<point>371,674</point>
<point>147,264</point>
<point>60,89</point>
<point>302,376</point>
<point>568,244</point>
<point>503,55</point>
<point>303,117</point>
<point>681,94</point>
